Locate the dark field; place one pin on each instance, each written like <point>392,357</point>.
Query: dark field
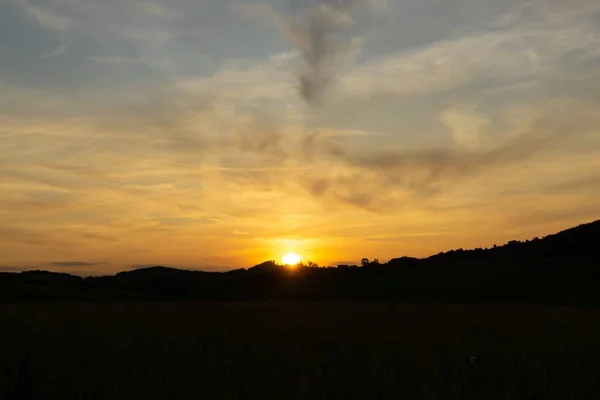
<point>298,351</point>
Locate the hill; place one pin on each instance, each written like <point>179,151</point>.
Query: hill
<point>559,268</point>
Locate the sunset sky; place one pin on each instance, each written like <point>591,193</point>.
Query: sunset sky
<point>217,134</point>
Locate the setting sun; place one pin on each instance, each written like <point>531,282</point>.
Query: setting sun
<point>291,259</point>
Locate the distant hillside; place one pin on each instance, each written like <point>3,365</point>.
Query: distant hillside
<point>560,268</point>
<point>580,242</point>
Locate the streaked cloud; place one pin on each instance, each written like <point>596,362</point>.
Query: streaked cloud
<point>114,60</point>
<point>70,264</point>
<point>45,16</point>
<point>497,57</point>
<point>467,124</point>
<point>56,52</point>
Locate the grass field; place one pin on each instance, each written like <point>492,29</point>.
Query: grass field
<point>298,351</point>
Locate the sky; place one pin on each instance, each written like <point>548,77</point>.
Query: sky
<point>216,134</point>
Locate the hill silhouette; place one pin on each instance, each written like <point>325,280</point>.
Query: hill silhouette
<point>562,268</point>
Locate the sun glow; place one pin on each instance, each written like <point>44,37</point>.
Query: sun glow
<point>291,259</point>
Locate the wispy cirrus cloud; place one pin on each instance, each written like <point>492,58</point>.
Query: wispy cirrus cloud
<point>114,60</point>
<point>497,57</point>
<point>468,125</point>
<point>60,49</point>
<point>45,16</point>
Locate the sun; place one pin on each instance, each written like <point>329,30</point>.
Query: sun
<point>291,259</point>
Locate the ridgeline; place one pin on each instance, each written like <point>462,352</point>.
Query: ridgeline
<point>563,268</point>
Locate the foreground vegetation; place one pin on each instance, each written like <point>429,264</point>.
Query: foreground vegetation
<point>297,351</point>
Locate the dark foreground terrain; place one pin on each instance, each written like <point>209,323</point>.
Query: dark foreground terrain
<point>261,350</point>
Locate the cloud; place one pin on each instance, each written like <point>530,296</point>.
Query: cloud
<point>525,50</point>
<point>324,48</point>
<point>241,84</point>
<point>154,8</point>
<point>4,268</point>
<point>380,180</point>
<point>114,60</point>
<point>60,49</point>
<point>588,183</point>
<point>45,16</point>
<point>321,32</point>
<point>467,124</point>
<point>76,264</point>
<point>322,35</point>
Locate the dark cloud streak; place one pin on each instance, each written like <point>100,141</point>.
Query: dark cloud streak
<point>5,268</point>
<point>324,49</point>
<point>323,35</point>
<point>69,264</point>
